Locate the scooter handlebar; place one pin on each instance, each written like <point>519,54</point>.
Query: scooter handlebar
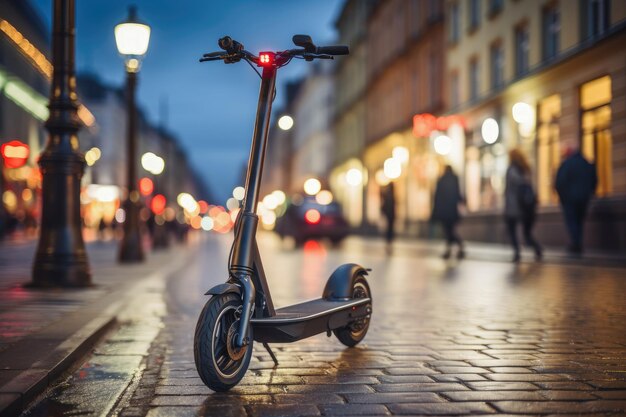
<point>333,50</point>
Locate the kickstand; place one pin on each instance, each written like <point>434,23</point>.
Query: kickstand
<point>269,350</point>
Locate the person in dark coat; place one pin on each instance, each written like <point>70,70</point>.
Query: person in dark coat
<point>576,182</point>
<point>446,209</point>
<point>388,208</point>
<point>520,203</point>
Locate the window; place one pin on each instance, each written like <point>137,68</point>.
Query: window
<point>474,14</point>
<point>454,23</point>
<point>596,144</point>
<point>495,6</point>
<point>521,50</point>
<point>551,32</point>
<point>595,17</point>
<point>434,10</point>
<point>415,25</point>
<point>497,65</point>
<point>473,79</point>
<point>454,90</point>
<point>548,149</point>
<point>434,72</point>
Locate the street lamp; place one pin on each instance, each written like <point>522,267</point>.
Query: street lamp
<point>132,38</point>
<point>61,259</point>
<point>285,122</point>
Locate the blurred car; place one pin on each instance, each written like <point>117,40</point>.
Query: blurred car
<point>311,220</point>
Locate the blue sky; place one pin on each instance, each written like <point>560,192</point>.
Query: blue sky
<point>211,106</point>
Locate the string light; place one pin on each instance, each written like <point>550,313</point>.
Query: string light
<point>39,60</point>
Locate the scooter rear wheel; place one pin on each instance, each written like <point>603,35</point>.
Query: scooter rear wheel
<point>353,333</point>
<point>220,363</point>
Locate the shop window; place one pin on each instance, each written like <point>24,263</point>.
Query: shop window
<point>596,144</point>
<point>548,149</point>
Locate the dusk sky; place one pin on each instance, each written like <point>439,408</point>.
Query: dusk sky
<point>211,106</point>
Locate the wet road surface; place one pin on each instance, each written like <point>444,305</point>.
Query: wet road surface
<point>446,338</point>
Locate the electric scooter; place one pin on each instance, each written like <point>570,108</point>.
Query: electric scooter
<point>241,310</point>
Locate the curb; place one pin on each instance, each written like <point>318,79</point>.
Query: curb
<point>66,342</point>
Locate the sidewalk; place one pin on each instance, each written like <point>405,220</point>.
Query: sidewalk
<point>495,252</point>
<point>44,333</point>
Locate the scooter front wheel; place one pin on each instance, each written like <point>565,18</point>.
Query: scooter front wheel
<point>220,363</point>
<point>353,333</point>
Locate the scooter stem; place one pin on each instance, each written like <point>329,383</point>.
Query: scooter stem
<point>243,246</point>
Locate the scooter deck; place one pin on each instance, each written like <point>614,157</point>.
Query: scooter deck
<point>298,321</point>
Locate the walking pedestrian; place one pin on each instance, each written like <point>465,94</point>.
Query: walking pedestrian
<point>446,210</point>
<point>576,181</point>
<point>520,203</point>
<point>388,208</point>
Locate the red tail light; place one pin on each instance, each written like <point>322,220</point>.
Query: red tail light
<point>312,216</point>
<point>266,59</point>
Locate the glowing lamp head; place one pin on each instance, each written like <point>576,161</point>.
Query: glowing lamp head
<point>266,59</point>
<point>132,38</point>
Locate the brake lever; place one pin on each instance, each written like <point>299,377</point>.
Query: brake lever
<point>211,58</point>
<point>311,57</point>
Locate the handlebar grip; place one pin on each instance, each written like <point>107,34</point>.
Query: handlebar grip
<point>230,45</point>
<point>225,43</point>
<point>333,50</point>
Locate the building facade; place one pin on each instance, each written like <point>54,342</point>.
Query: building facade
<point>545,77</point>
<point>405,66</point>
<point>350,110</point>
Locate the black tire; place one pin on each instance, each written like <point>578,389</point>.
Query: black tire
<point>353,333</point>
<point>218,368</point>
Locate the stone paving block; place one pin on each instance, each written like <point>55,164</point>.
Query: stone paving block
<point>390,398</point>
<point>608,384</point>
<point>279,410</point>
<point>515,370</point>
<point>611,395</point>
<point>403,379</point>
<point>559,395</point>
<point>462,370</point>
<point>195,400</point>
<point>493,395</point>
<point>410,371</point>
<point>354,409</point>
<point>501,386</point>
<point>490,363</point>
<point>528,377</point>
<point>457,377</point>
<point>563,385</point>
<point>448,409</point>
<point>339,379</point>
<point>561,407</point>
<point>309,398</point>
<point>421,387</point>
<point>329,388</point>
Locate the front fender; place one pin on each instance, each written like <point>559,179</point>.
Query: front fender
<point>340,283</point>
<point>223,289</point>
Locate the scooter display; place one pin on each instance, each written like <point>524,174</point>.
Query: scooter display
<point>240,311</point>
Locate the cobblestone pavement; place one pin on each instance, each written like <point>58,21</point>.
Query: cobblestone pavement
<point>446,338</point>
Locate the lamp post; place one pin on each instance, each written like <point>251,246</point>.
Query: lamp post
<point>132,38</point>
<point>61,259</point>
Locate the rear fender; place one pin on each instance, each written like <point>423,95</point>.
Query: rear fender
<point>340,283</point>
<point>223,289</point>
